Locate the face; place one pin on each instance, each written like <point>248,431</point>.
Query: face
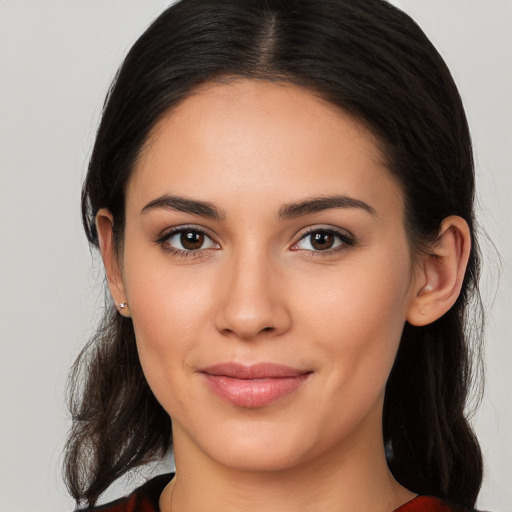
<point>268,274</point>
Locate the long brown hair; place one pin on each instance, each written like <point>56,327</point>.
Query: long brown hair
<point>374,62</point>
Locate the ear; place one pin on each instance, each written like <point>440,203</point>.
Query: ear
<point>440,274</point>
<point>109,254</point>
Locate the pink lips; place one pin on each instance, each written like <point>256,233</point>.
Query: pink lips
<point>253,386</point>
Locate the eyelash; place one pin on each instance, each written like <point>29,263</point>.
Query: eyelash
<point>163,241</point>
<point>346,239</point>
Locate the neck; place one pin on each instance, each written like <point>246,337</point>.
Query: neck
<point>354,477</point>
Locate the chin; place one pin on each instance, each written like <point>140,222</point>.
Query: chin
<point>257,459</point>
<point>261,448</point>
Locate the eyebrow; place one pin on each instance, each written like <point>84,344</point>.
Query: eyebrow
<point>318,204</point>
<point>183,204</point>
<point>286,212</point>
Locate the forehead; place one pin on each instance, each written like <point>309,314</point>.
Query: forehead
<point>272,139</point>
<point>279,107</point>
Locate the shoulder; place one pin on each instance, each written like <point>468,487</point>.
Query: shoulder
<point>431,504</point>
<point>143,499</point>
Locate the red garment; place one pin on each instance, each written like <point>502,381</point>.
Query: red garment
<point>145,499</point>
<point>425,504</point>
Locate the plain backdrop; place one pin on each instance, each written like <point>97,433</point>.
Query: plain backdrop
<point>57,58</point>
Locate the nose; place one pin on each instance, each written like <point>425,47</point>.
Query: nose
<point>252,299</point>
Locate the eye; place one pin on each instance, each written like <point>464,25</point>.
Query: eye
<point>320,240</point>
<point>187,240</point>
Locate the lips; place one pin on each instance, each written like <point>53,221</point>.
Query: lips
<point>255,385</point>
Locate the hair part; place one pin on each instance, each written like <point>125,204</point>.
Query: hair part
<point>375,63</point>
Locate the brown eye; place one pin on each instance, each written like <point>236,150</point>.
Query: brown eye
<point>188,240</point>
<point>322,240</point>
<point>192,240</point>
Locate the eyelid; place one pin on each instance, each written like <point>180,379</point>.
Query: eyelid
<point>167,232</point>
<point>170,232</point>
<point>346,237</point>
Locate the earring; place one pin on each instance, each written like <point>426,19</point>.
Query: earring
<point>123,305</point>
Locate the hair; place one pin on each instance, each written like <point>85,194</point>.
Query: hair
<point>374,62</point>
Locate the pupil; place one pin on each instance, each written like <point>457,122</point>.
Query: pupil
<point>192,240</point>
<point>322,241</point>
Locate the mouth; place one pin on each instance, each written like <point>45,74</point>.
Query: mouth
<point>254,385</point>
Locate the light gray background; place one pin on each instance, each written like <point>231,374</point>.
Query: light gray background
<point>57,58</point>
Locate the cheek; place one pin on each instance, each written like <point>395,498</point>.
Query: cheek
<point>356,325</point>
<point>169,309</point>
<point>357,318</point>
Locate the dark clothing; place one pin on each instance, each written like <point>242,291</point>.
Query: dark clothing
<point>145,499</point>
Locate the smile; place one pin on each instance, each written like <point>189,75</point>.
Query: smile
<point>253,386</point>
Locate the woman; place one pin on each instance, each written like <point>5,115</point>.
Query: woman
<point>282,193</point>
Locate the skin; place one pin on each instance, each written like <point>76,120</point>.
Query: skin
<point>259,291</point>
